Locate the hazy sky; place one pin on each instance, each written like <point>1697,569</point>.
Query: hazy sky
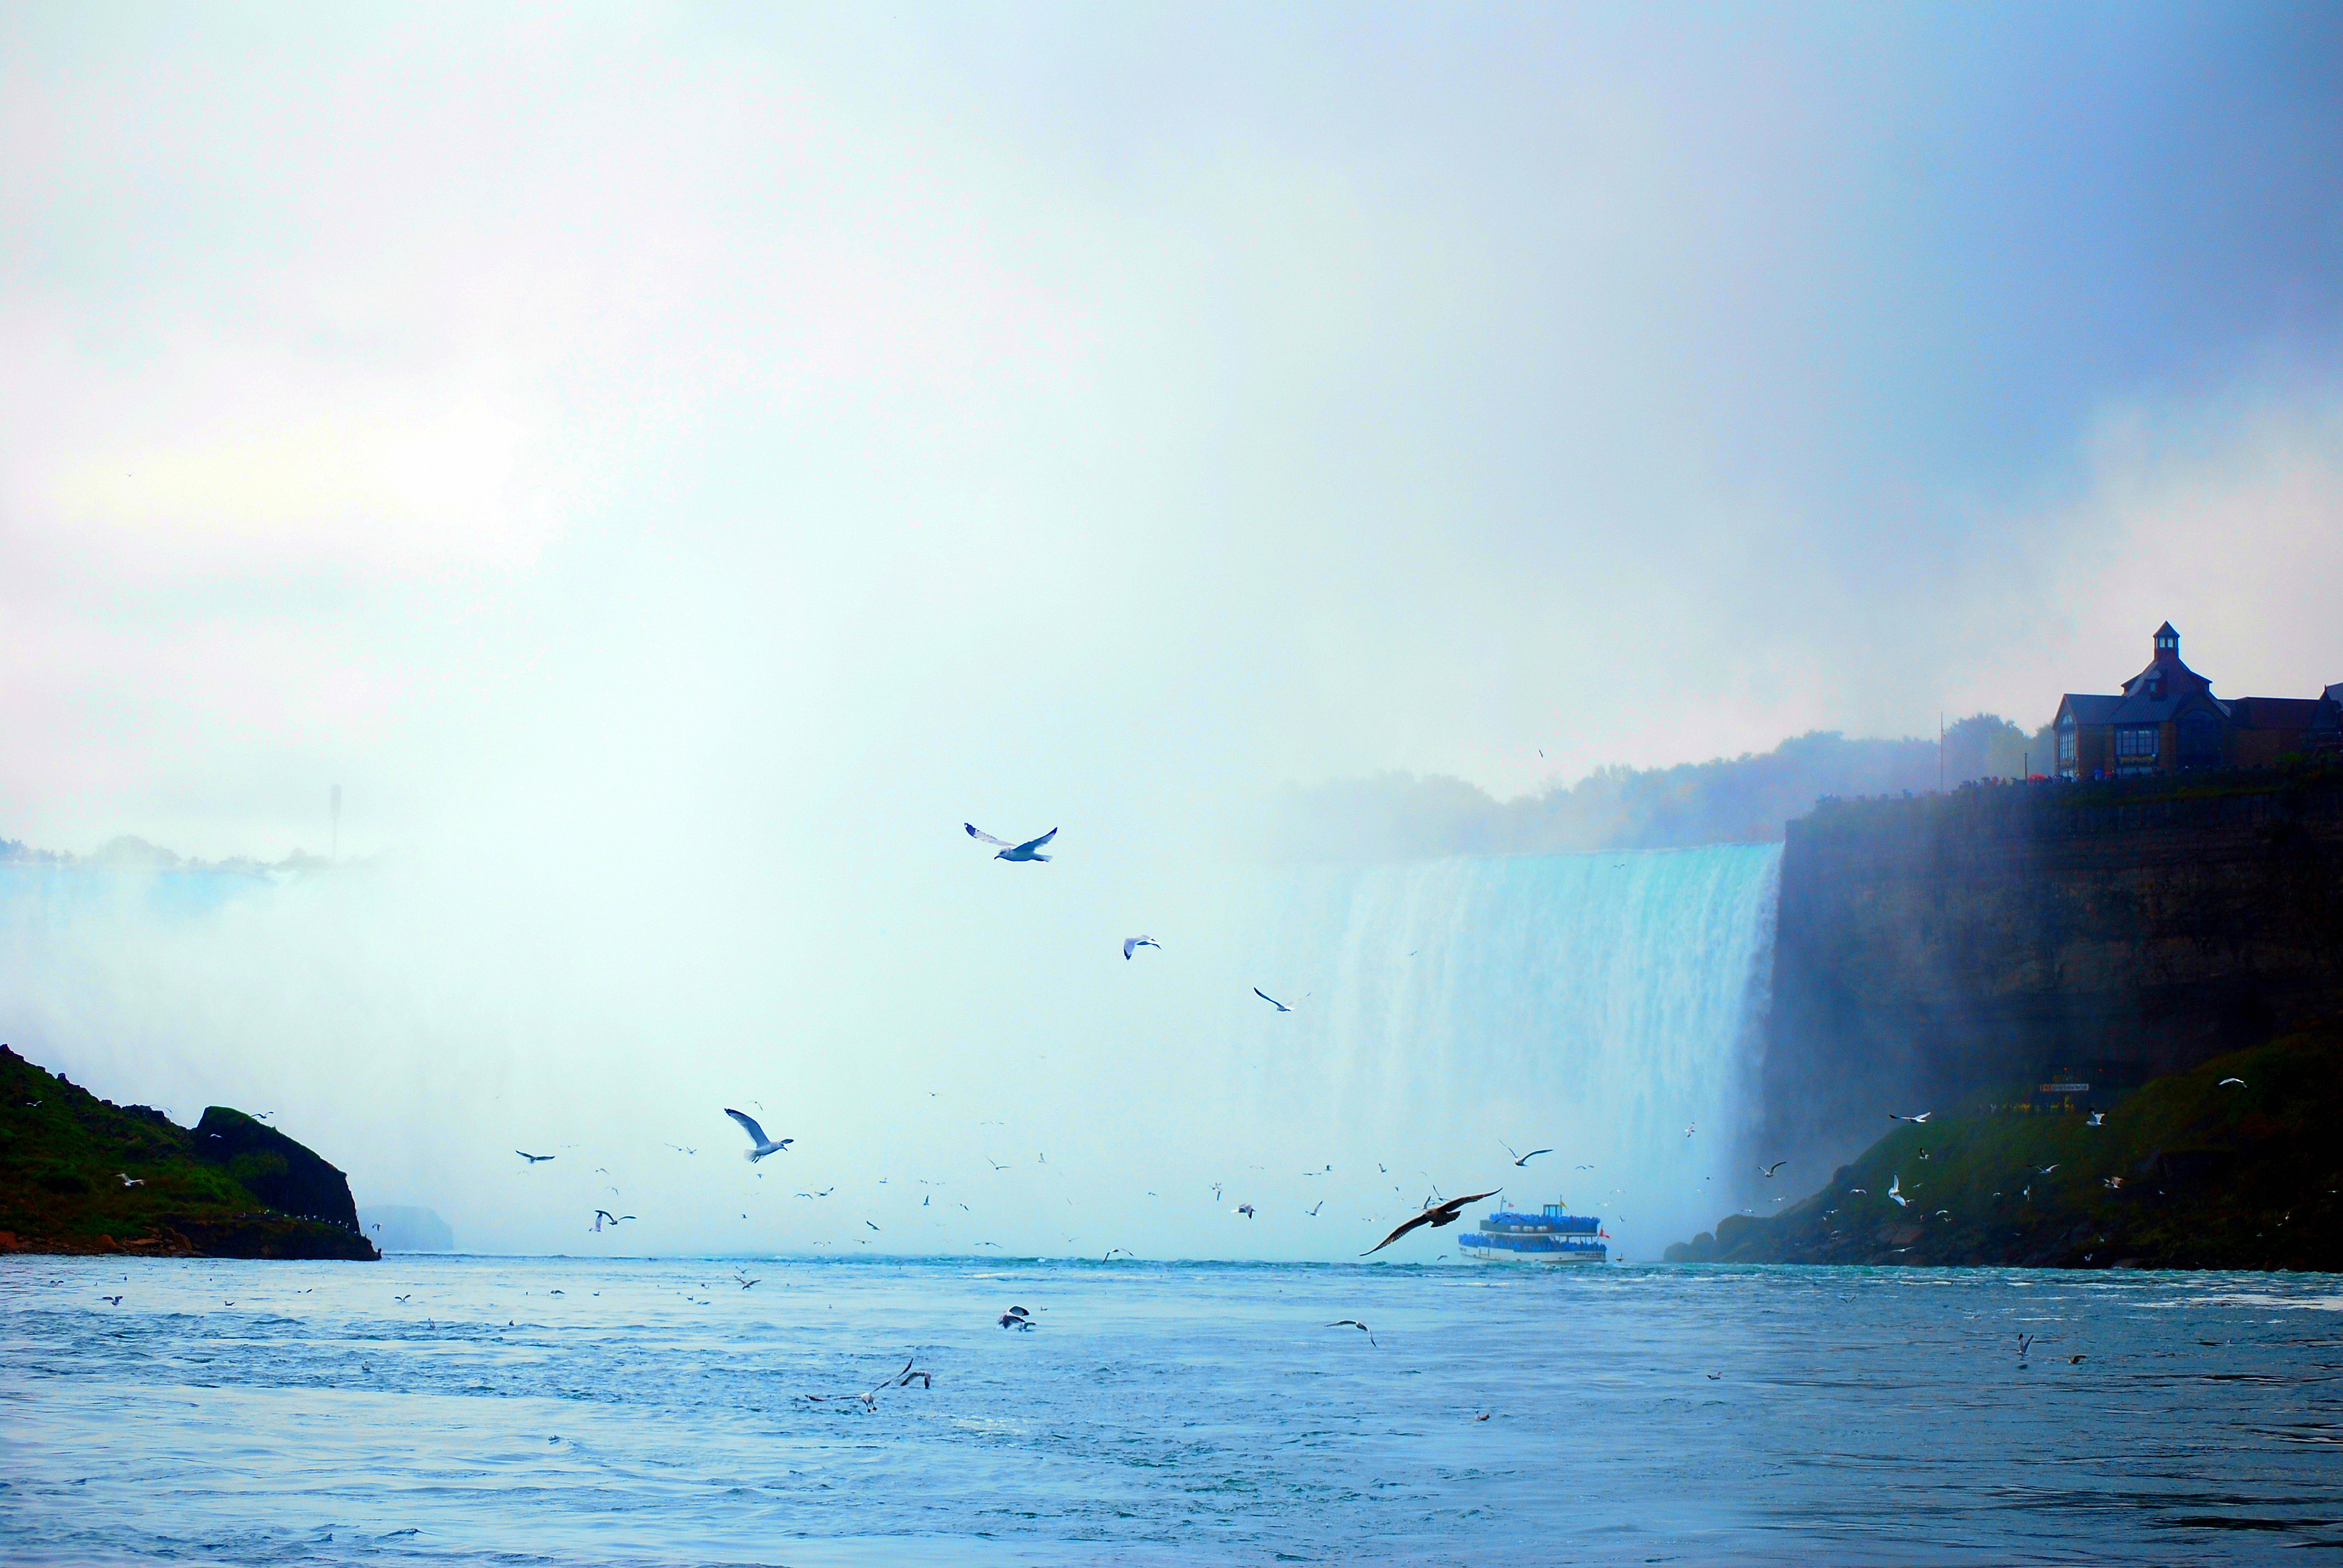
<point>644,412</point>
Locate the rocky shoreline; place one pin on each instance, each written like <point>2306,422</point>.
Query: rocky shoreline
<point>80,1175</point>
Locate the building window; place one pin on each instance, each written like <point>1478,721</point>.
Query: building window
<point>2066,743</point>
<point>2135,743</point>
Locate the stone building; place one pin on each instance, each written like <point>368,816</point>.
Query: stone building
<point>2166,719</point>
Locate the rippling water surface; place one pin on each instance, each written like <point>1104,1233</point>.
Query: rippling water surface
<point>523,1411</point>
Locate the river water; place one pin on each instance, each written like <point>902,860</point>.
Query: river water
<point>521,1410</point>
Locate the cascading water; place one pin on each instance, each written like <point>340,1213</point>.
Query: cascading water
<point>1601,1005</point>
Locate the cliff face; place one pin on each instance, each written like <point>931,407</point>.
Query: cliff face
<point>81,1174</point>
<point>1929,949</point>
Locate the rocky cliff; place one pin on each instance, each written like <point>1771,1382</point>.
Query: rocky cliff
<point>81,1174</point>
<point>1932,948</point>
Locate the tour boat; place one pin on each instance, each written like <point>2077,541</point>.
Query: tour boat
<point>1552,1237</point>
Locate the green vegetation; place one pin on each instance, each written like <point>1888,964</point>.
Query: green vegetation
<point>2185,1172</point>
<point>81,1174</point>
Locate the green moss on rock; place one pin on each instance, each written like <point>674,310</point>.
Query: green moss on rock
<point>81,1174</point>
<point>2185,1172</point>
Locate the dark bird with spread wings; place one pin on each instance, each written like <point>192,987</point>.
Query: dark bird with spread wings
<point>1131,944</point>
<point>1441,1214</point>
<point>533,1158</point>
<point>1270,1000</point>
<point>1009,851</point>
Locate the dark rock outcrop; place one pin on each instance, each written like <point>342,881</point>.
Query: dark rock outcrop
<point>81,1174</point>
<point>280,1173</point>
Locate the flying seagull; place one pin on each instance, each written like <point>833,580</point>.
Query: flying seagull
<point>1354,1324</point>
<point>1015,1317</point>
<point>1895,1190</point>
<point>1009,851</point>
<point>760,1145</point>
<point>604,1217</point>
<point>903,1379</point>
<point>1522,1159</point>
<point>1916,1120</point>
<point>1447,1213</point>
<point>2099,1119</point>
<point>1270,1000</point>
<point>1244,1208</point>
<point>533,1158</point>
<point>2227,1081</point>
<point>1131,942</point>
<point>111,1300</point>
<point>1768,1171</point>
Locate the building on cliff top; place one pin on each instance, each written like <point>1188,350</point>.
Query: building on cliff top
<point>2166,719</point>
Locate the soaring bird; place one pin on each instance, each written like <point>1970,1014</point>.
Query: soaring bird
<point>1768,1171</point>
<point>1446,1213</point>
<point>1354,1324</point>
<point>2099,1119</point>
<point>1270,1000</point>
<point>2227,1081</point>
<point>1128,943</point>
<point>1009,851</point>
<point>533,1158</point>
<point>604,1217</point>
<point>1522,1159</point>
<point>111,1300</point>
<point>1916,1120</point>
<point>759,1145</point>
<point>1244,1208</point>
<point>1895,1190</point>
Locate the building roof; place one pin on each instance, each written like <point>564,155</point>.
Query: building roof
<point>2275,712</point>
<point>2087,709</point>
<point>2160,692</point>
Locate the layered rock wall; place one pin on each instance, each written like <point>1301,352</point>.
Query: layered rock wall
<point>1934,947</point>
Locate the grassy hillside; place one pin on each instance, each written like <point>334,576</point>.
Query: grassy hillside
<point>81,1174</point>
<point>2185,1172</point>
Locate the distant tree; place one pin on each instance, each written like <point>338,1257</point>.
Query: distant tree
<point>1732,800</point>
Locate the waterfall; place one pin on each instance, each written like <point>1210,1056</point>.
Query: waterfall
<point>1600,1005</point>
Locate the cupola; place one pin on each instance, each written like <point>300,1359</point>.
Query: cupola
<point>2167,643</point>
